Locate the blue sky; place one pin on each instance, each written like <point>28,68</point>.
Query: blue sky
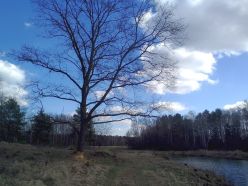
<point>18,29</point>
<point>13,16</point>
<point>231,73</point>
<point>212,61</point>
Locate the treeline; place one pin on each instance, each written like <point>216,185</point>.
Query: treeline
<point>12,121</point>
<point>217,130</point>
<point>106,140</point>
<point>46,129</point>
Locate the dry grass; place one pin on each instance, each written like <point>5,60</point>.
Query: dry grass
<point>26,165</point>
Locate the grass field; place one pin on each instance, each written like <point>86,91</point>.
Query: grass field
<point>26,165</point>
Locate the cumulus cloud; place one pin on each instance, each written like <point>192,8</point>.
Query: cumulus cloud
<point>237,105</point>
<point>214,26</point>
<point>193,68</point>
<point>12,80</point>
<point>214,29</point>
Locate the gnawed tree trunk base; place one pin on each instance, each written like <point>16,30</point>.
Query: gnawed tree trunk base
<point>79,156</point>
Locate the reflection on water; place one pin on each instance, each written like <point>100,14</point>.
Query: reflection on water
<point>235,171</point>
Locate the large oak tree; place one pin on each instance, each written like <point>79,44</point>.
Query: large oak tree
<point>105,53</point>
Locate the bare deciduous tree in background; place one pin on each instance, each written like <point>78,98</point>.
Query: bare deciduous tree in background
<point>104,52</point>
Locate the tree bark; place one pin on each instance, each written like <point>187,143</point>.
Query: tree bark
<point>81,137</point>
<point>81,134</point>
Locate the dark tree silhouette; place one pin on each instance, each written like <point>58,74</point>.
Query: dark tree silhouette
<point>11,120</point>
<point>41,128</point>
<point>105,48</point>
<point>218,130</point>
<point>89,129</point>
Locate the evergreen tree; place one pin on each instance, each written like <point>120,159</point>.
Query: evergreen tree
<point>41,128</point>
<point>12,120</point>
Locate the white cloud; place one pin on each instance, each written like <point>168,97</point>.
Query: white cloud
<point>28,24</point>
<point>12,80</point>
<point>100,93</point>
<point>121,128</point>
<point>103,119</point>
<point>213,29</point>
<point>119,109</point>
<point>237,105</point>
<point>175,106</point>
<point>116,109</point>
<point>214,26</point>
<point>165,106</point>
<point>193,68</point>
<point>127,122</point>
<point>146,18</point>
<point>114,128</point>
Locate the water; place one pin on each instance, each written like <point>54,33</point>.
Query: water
<point>235,171</point>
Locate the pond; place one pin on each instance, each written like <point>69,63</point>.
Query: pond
<point>235,171</point>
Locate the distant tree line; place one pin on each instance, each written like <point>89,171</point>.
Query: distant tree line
<point>217,130</point>
<point>107,140</point>
<point>46,129</point>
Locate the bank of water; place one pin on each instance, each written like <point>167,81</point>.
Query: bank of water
<point>235,171</point>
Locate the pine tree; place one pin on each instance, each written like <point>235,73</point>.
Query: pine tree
<point>41,128</point>
<point>12,120</point>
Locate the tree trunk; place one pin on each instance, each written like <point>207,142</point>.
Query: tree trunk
<point>80,144</point>
<point>81,136</point>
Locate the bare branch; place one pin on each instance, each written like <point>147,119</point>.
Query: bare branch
<point>104,46</point>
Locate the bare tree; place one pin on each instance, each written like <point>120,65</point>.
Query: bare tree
<point>105,52</point>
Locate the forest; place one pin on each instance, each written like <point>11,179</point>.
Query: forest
<point>216,130</point>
